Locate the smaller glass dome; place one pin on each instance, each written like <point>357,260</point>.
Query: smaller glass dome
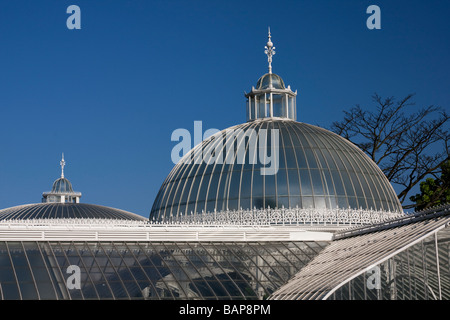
<point>62,185</point>
<point>66,211</point>
<point>270,80</point>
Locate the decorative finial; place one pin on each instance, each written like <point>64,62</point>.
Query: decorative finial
<point>62,163</point>
<point>270,51</point>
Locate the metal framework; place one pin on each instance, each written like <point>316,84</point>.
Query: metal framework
<point>285,216</point>
<point>407,258</point>
<point>317,169</point>
<point>239,225</point>
<point>41,230</point>
<point>149,270</point>
<point>65,212</point>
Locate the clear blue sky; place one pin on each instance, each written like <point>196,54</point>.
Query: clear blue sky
<point>110,95</point>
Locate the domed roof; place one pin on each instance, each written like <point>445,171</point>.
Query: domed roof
<point>66,211</point>
<point>270,80</point>
<point>62,185</point>
<point>317,169</point>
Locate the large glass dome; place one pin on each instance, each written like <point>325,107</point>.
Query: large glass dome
<point>317,169</point>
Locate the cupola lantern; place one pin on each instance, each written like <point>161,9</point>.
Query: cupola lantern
<point>270,98</point>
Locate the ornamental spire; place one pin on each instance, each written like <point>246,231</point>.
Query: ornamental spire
<point>270,51</point>
<point>62,163</point>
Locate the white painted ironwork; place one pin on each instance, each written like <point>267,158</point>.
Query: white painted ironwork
<point>284,216</point>
<point>108,230</point>
<point>352,253</point>
<point>399,221</point>
<point>236,225</point>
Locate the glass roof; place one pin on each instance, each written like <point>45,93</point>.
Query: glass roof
<point>66,211</point>
<point>352,255</point>
<point>317,169</point>
<point>118,270</point>
<point>62,185</point>
<point>270,80</point>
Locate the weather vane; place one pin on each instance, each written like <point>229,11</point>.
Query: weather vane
<point>62,163</point>
<point>270,51</point>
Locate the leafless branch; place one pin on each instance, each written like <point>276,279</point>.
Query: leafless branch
<point>407,146</point>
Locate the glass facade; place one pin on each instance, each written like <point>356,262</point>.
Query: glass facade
<point>148,270</point>
<point>316,169</point>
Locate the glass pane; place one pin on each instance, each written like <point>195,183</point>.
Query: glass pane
<point>283,202</point>
<point>356,183</point>
<point>212,193</point>
<point>305,182</point>
<point>28,290</point>
<point>301,159</point>
<point>347,183</point>
<point>194,189</point>
<point>291,159</point>
<point>282,184</point>
<point>257,190</point>
<point>234,185</point>
<point>270,202</point>
<point>342,202</point>
<point>317,182</point>
<point>10,291</point>
<point>294,185</point>
<point>329,187</point>
<point>311,158</point>
<point>246,183</point>
<point>329,159</point>
<point>18,257</point>
<point>278,109</point>
<point>308,202</point>
<point>281,158</point>
<point>269,184</point>
<point>320,202</point>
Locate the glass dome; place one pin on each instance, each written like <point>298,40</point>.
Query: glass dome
<point>66,211</point>
<point>62,185</point>
<point>270,80</point>
<point>317,169</point>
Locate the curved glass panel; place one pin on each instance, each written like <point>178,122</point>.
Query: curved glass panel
<point>270,80</point>
<point>313,168</point>
<point>66,211</point>
<point>62,185</point>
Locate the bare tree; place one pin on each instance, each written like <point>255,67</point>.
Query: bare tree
<point>406,146</point>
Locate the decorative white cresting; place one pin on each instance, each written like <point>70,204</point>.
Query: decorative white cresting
<point>307,217</point>
<point>62,163</point>
<point>270,51</point>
